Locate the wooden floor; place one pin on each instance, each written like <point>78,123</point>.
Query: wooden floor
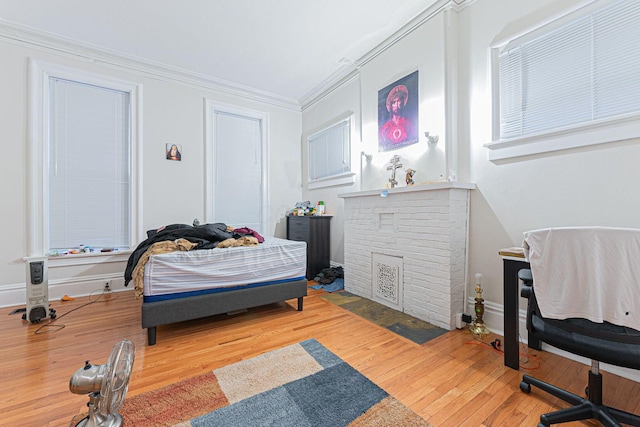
<point>453,380</point>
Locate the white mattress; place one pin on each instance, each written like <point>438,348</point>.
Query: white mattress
<point>175,272</point>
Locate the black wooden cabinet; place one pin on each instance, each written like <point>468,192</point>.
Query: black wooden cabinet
<point>316,232</point>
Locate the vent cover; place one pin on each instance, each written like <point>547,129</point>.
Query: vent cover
<point>387,280</point>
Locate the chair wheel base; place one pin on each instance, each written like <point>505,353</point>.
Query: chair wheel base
<point>581,408</point>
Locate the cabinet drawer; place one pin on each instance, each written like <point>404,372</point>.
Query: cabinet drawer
<point>298,229</point>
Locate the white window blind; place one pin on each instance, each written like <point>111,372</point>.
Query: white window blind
<point>238,141</point>
<point>330,151</point>
<point>89,170</point>
<point>581,71</point>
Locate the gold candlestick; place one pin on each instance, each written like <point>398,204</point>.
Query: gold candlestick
<point>478,327</point>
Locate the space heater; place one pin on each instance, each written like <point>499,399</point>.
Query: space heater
<point>37,291</point>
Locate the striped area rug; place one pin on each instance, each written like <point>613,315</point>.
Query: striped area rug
<point>299,385</point>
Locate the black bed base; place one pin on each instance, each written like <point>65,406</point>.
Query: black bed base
<point>195,307</point>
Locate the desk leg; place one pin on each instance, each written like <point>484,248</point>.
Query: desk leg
<point>511,307</point>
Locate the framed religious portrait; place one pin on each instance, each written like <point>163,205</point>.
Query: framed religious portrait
<point>398,113</point>
<point>174,151</point>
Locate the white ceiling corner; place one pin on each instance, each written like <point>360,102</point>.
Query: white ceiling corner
<point>284,51</point>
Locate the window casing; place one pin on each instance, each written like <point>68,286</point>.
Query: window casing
<point>569,83</point>
<point>329,154</point>
<point>83,160</point>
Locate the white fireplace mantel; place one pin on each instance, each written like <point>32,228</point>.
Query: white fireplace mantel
<point>406,189</point>
<point>406,247</point>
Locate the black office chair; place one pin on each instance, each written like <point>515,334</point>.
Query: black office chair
<point>605,342</point>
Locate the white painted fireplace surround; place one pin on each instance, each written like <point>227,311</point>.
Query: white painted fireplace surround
<point>408,250</point>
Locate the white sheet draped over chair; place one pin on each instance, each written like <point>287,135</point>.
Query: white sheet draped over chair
<point>583,291</point>
<point>591,273</point>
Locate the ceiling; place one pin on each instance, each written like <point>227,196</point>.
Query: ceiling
<point>278,48</point>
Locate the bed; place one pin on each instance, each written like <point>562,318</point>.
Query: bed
<point>185,285</point>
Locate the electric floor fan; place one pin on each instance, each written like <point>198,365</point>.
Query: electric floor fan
<point>106,386</point>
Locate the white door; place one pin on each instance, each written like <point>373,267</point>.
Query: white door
<point>237,176</point>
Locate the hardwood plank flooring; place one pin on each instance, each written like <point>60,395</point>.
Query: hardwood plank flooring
<point>453,380</point>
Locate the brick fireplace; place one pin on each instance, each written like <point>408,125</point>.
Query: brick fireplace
<point>408,250</point>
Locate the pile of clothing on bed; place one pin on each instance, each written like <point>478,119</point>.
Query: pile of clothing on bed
<point>183,237</point>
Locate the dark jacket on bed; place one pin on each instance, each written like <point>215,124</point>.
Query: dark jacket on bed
<point>207,236</point>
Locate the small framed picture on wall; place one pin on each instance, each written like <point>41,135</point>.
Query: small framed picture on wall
<point>174,151</point>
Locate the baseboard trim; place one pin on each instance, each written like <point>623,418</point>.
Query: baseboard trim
<point>15,295</point>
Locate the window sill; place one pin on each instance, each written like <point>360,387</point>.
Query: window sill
<point>85,259</point>
<point>332,181</point>
<point>596,133</point>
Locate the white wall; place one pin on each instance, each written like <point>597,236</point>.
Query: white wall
<point>422,50</point>
<point>587,186</point>
<point>344,101</point>
<point>173,192</point>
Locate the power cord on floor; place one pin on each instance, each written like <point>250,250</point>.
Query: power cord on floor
<point>55,327</point>
<point>496,346</point>
<point>528,357</point>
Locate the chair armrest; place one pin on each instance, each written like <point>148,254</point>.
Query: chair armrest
<point>527,283</point>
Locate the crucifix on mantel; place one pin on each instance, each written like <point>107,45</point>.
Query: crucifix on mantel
<point>394,165</point>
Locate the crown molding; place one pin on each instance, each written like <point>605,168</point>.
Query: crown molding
<point>37,39</point>
<point>461,4</point>
<point>331,84</point>
<point>339,79</point>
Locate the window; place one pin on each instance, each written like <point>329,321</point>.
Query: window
<point>88,166</point>
<point>233,132</point>
<point>569,83</point>
<point>82,156</point>
<point>330,156</point>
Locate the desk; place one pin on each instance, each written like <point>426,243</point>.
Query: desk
<point>513,261</point>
